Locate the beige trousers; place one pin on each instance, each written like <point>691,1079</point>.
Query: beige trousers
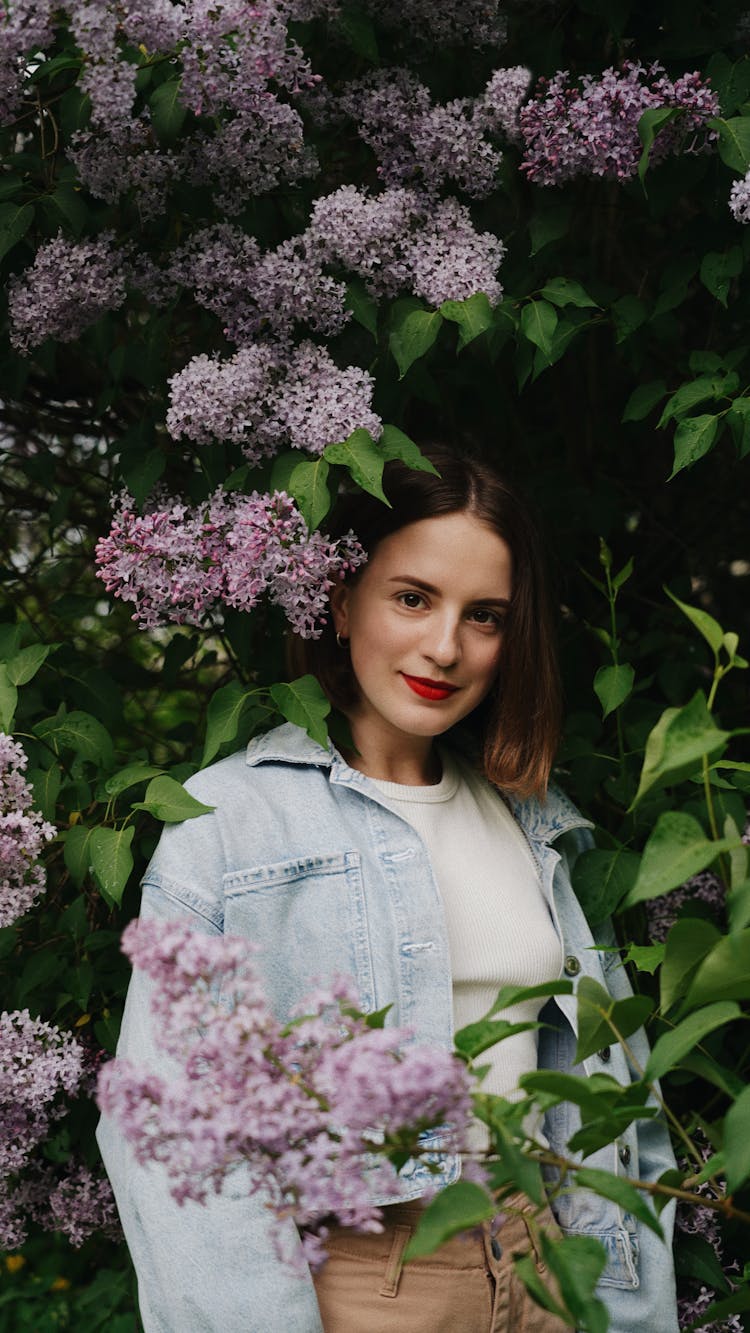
<point>467,1286</point>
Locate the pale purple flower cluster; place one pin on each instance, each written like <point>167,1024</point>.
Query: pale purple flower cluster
<point>268,396</point>
<point>69,285</point>
<point>254,294</point>
<point>425,145</point>
<point>25,31</point>
<point>661,913</point>
<point>178,565</point>
<point>112,164</point>
<point>76,1203</point>
<point>401,240</point>
<point>156,24</point>
<point>739,199</point>
<point>698,1220</point>
<point>309,1107</point>
<point>108,79</point>
<point>251,153</point>
<point>23,833</point>
<point>590,128</point>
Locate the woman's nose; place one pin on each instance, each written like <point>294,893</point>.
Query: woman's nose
<point>443,644</point>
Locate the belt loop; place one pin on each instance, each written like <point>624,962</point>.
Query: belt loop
<point>395,1264</point>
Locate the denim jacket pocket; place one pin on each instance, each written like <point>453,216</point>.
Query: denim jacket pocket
<point>309,917</point>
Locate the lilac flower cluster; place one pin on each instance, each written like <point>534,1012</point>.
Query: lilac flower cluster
<point>591,128</point>
<point>76,1203</point>
<point>108,80</point>
<point>418,143</point>
<point>311,1107</point>
<point>267,396</point>
<point>23,833</point>
<point>253,293</point>
<point>699,1220</point>
<point>739,199</point>
<point>177,565</point>
<point>661,913</point>
<point>69,285</point>
<point>25,31</point>
<point>401,240</point>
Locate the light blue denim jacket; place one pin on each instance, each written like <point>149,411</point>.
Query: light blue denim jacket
<point>303,855</point>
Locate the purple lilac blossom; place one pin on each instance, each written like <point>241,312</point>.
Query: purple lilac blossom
<point>25,31</point>
<point>156,24</point>
<point>69,285</point>
<point>739,199</point>
<point>76,1203</point>
<point>23,833</point>
<point>178,566</point>
<point>591,128</point>
<point>267,396</point>
<point>108,79</point>
<point>251,153</point>
<point>304,1106</point>
<point>700,1220</point>
<point>402,240</point>
<point>499,106</point>
<point>110,165</point>
<point>661,913</point>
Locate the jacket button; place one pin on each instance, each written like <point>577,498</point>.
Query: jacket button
<point>625,1155</point>
<point>572,966</point>
<point>605,1054</point>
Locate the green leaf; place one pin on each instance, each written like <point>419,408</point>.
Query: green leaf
<point>643,400</point>
<point>413,332</point>
<point>538,324</point>
<point>599,1015</point>
<point>15,220</point>
<point>577,1263</point>
<point>619,580</point>
<point>531,1278</point>
<point>129,777</point>
<point>549,225</point>
<point>677,849</point>
<point>112,859</point>
<point>80,732</point>
<point>360,34</point>
<point>167,800</point>
<point>672,1046</point>
<point>456,1208</point>
<point>703,622</point>
<point>734,142</point>
<point>594,1094</point>
<point>23,667</point>
<point>8,700</point>
<point>717,271</point>
<point>507,996</point>
<point>620,1191</point>
<point>307,486</point>
<point>645,957</point>
<point>692,440</point>
<point>167,111</point>
<point>394,444</point>
<point>731,81</point>
<point>471,1040</point>
<point>650,123</point>
<point>737,1142</point>
<point>724,973</point>
<point>612,685</point>
<point>77,852</point>
<point>140,471</point>
<point>688,942</point>
<point>628,314</point>
<point>225,710</point>
<point>738,905</point>
<point>46,785</point>
<point>677,743</point>
<point>703,389</point>
<point>303,702</point>
<point>362,306</point>
<point>602,878</point>
<point>473,316</point>
<point>361,455</point>
<point>66,202</point>
<point>10,641</point>
<point>565,291</point>
<point>697,1259</point>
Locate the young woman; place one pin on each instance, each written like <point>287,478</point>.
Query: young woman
<point>427,858</point>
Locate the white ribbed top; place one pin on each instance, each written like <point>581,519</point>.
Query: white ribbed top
<point>500,931</point>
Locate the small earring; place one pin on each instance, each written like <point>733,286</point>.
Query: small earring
<point>342,643</point>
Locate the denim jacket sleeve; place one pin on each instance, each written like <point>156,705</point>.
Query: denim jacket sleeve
<point>201,1268</point>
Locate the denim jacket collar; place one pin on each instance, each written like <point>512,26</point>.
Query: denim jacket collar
<point>542,821</point>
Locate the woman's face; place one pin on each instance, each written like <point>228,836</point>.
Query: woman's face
<point>428,606</point>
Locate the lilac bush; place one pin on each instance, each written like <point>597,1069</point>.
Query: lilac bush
<point>68,286</point>
<point>23,833</point>
<point>312,1106</point>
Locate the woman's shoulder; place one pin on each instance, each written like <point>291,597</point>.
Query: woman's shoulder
<point>285,749</point>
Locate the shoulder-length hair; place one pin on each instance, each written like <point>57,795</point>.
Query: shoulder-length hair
<point>516,727</point>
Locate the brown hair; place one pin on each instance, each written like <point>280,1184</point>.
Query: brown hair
<point>517,725</point>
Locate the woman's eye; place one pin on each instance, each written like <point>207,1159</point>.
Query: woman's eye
<point>483,616</point>
<point>417,597</point>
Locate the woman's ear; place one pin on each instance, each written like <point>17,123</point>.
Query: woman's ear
<point>339,600</point>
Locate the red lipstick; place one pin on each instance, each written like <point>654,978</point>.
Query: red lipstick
<point>429,689</point>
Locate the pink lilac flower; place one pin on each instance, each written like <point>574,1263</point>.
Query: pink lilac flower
<point>307,1106</point>
<point>76,1204</point>
<point>267,396</point>
<point>251,153</point>
<point>107,77</point>
<point>662,912</point>
<point>23,833</point>
<point>26,30</point>
<point>499,106</point>
<point>156,24</point>
<point>591,128</point>
<point>69,285</point>
<point>177,566</point>
<point>739,199</point>
<point>128,159</point>
<point>450,260</point>
<point>38,1064</point>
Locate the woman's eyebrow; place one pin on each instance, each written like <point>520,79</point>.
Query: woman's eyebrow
<point>429,587</point>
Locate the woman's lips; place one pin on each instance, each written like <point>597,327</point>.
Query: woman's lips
<point>426,689</point>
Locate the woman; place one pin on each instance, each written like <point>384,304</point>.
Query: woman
<point>428,861</point>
